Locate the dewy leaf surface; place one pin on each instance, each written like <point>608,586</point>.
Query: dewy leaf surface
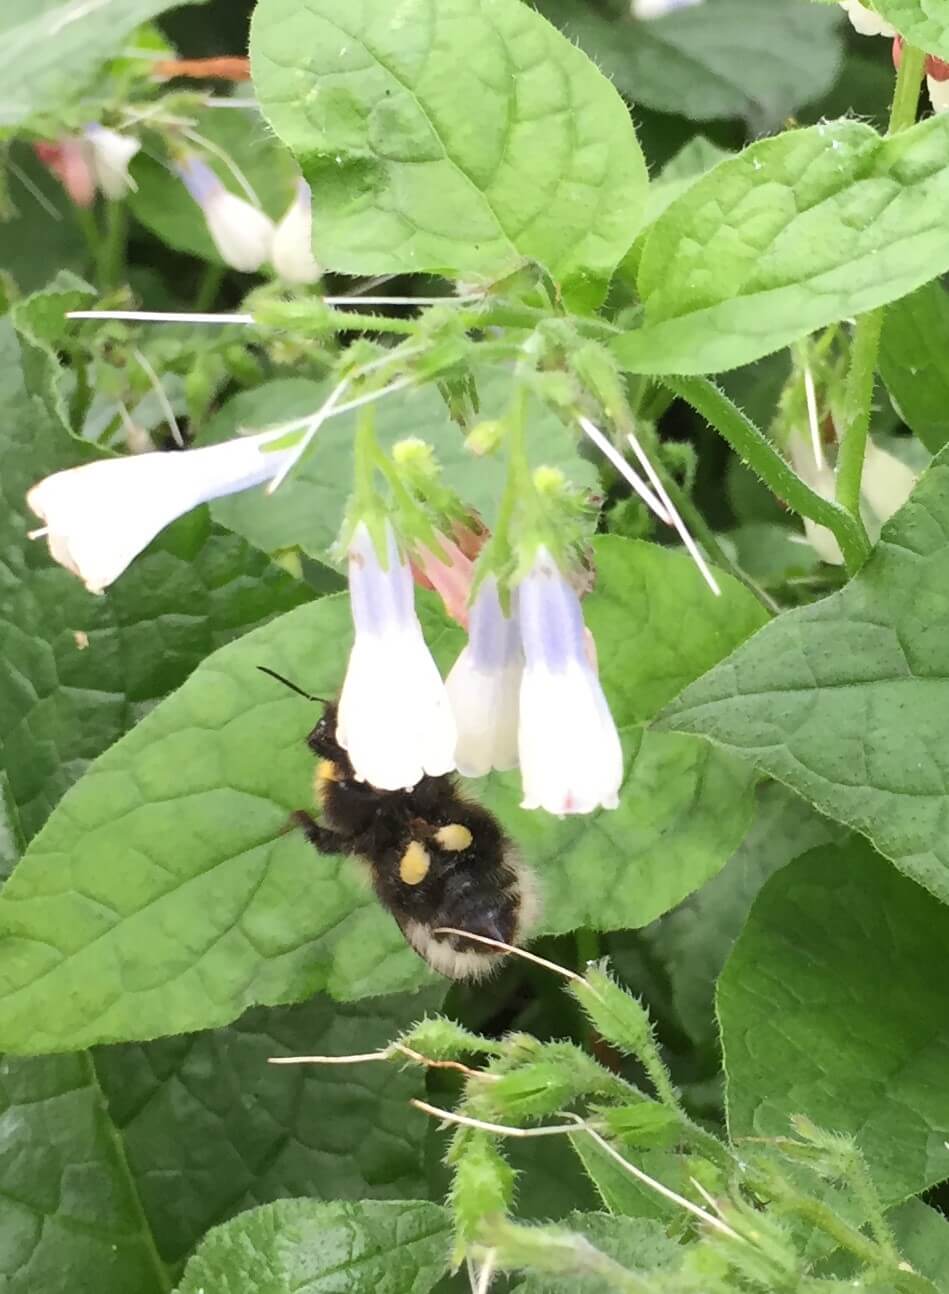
<point>847,700</point>
<point>80,669</point>
<point>832,1006</point>
<point>50,48</point>
<point>375,98</point>
<point>722,58</point>
<point>798,231</point>
<point>914,362</point>
<point>163,896</point>
<point>312,1248</point>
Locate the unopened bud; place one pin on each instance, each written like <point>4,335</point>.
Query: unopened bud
<point>485,437</point>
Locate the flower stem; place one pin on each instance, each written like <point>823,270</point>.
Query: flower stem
<point>754,448</point>
<point>110,265</point>
<point>208,287</point>
<point>868,328</point>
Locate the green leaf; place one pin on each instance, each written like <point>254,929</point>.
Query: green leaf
<point>829,1007</point>
<point>163,204</point>
<point>920,22</point>
<point>723,58</point>
<point>308,510</point>
<point>847,700</point>
<point>81,669</point>
<point>376,103</point>
<point>914,362</point>
<point>181,900</point>
<point>313,1248</point>
<point>208,1128</point>
<point>798,231</point>
<point>693,941</point>
<point>68,1209</point>
<point>39,235</point>
<point>922,1236</point>
<point>51,49</point>
<point>635,1243</point>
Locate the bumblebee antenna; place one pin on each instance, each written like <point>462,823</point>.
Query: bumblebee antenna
<point>292,686</point>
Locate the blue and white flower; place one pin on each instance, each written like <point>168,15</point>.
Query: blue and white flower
<point>484,686</point>
<point>292,255</point>
<point>394,718</point>
<point>242,233</point>
<point>111,153</point>
<point>570,754</point>
<point>100,516</point>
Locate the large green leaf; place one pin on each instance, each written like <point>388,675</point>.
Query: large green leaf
<point>847,700</point>
<point>914,362</point>
<point>80,669</point>
<point>163,895</point>
<point>51,48</point>
<point>308,509</point>
<point>163,204</point>
<point>375,98</point>
<point>638,1244</point>
<point>832,1006</point>
<point>693,941</point>
<point>798,231</point>
<point>723,58</point>
<point>209,1128</point>
<point>313,1248</point>
<point>921,22</point>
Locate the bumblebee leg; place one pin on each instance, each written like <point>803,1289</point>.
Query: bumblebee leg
<point>321,838</point>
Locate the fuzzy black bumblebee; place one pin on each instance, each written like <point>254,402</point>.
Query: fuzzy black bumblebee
<point>435,858</point>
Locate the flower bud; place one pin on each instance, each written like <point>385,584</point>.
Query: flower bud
<point>292,254</point>
<point>111,154</point>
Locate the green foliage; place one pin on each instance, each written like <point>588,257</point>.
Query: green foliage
<point>840,927</point>
<point>921,22</point>
<point>769,247</point>
<point>913,362</point>
<point>378,114</point>
<point>309,1247</point>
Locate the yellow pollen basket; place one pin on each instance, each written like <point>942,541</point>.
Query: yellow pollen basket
<point>453,837</point>
<point>414,864</point>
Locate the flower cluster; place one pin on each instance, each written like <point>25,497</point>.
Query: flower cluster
<point>524,690</point>
<point>244,235</point>
<point>868,22</point>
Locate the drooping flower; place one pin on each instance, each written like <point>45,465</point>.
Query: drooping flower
<point>394,717</point>
<point>111,153</point>
<point>70,162</point>
<point>242,233</point>
<point>292,254</point>
<point>451,578</point>
<point>866,21</point>
<point>484,687</point>
<point>648,9</point>
<point>937,83</point>
<point>100,516</point>
<point>570,754</point>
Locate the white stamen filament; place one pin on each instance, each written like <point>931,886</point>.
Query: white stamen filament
<point>161,316</point>
<point>810,396</point>
<point>677,521</point>
<point>502,1129</point>
<point>312,427</point>
<point>619,462</point>
<point>35,192</point>
<point>37,534</point>
<point>486,1273</point>
<point>511,948</point>
<point>161,396</point>
<point>203,142</point>
<point>356,1059</point>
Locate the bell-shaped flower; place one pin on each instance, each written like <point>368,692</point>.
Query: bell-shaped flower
<point>866,21</point>
<point>570,754</point>
<point>648,9</point>
<point>111,154</point>
<point>292,254</point>
<point>394,719</point>
<point>69,160</point>
<point>451,578</point>
<point>100,516</point>
<point>484,687</point>
<point>937,83</point>
<point>242,233</point>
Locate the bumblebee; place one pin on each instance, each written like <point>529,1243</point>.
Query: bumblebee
<point>435,858</point>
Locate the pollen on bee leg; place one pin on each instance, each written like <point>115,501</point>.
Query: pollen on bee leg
<point>327,771</point>
<point>414,864</point>
<point>453,837</point>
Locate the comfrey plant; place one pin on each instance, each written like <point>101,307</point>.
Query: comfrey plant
<point>491,628</point>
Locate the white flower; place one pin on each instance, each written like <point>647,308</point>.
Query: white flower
<point>292,256</point>
<point>647,9</point>
<point>111,154</point>
<point>100,516</point>
<point>483,687</point>
<point>570,754</point>
<point>241,232</point>
<point>938,93</point>
<point>866,21</point>
<point>394,718</point>
<point>884,487</point>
